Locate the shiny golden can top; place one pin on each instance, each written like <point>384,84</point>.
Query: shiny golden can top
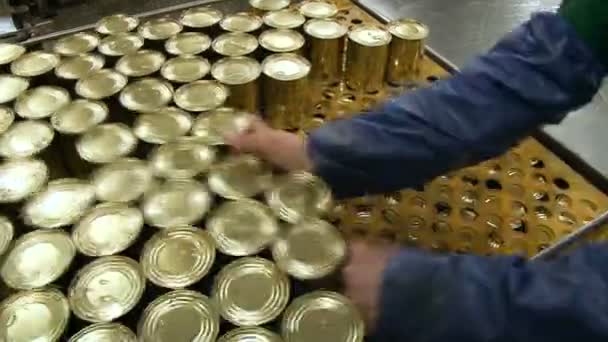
<point>108,228</point>
<point>20,178</point>
<point>77,67</point>
<point>34,64</point>
<point>408,29</point>
<point>146,95</point>
<point>269,5</point>
<point>124,180</point>
<point>76,44</point>
<point>235,44</point>
<point>318,9</point>
<point>250,334</point>
<point>106,143</point>
<point>35,315</point>
<point>240,176</point>
<point>176,202</point>
<point>7,232</point>
<point>177,315</point>
<point>369,35</point>
<point>211,127</point>
<point>188,43</point>
<point>201,95</point>
<point>162,125</point>
<point>284,19</point>
<point>325,29</point>
<point>106,289</point>
<point>178,257</point>
<point>251,291</point>
<point>7,117</point>
<point>10,52</point>
<point>185,69</point>
<point>62,203</point>
<point>243,227</point>
<point>160,29</point>
<point>101,84</point>
<point>286,67</point>
<point>322,316</point>
<point>41,102</point>
<point>201,17</point>
<point>236,70</point>
<point>104,332</point>
<point>116,24</point>
<point>140,63</point>
<point>37,259</point>
<point>185,158</point>
<point>241,22</point>
<point>12,87</point>
<point>120,44</point>
<point>79,116</point>
<point>281,40</point>
<point>26,138</point>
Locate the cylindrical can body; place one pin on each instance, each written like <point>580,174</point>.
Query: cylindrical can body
<point>406,51</point>
<point>326,48</point>
<point>241,75</point>
<point>366,58</point>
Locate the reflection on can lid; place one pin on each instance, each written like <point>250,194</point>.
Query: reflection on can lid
<point>286,66</point>
<point>106,289</point>
<point>185,69</point>
<point>176,202</point>
<point>240,176</point>
<point>34,63</point>
<point>26,138</point>
<point>108,228</point>
<point>79,116</point>
<point>213,126</point>
<point>78,67</point>
<point>325,28</point>
<point>41,102</point>
<point>281,40</point>
<point>10,52</point>
<point>251,291</point>
<point>160,29</point>
<point>322,316</point>
<point>101,84</point>
<point>7,117</point>
<point>251,334</point>
<point>62,203</point>
<point>269,5</point>
<point>140,63</point>
<point>37,259</point>
<point>104,332</point>
<point>12,86</point>
<point>201,17</point>
<point>243,227</point>
<point>201,95</point>
<point>185,158</point>
<point>408,29</point>
<point>162,125</point>
<point>116,24</point>
<point>235,44</point>
<point>36,315</point>
<point>369,35</point>
<point>178,257</point>
<point>20,178</point>
<point>318,9</point>
<point>284,19</point>
<point>120,44</point>
<point>241,22</point>
<point>7,231</point>
<point>236,70</point>
<point>146,95</point>
<point>179,313</point>
<point>124,180</point>
<point>188,43</point>
<point>106,143</point>
<point>76,44</point>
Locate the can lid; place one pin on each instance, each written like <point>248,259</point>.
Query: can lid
<point>7,232</point>
<point>162,125</point>
<point>325,314</point>
<point>106,289</point>
<point>34,63</point>
<point>146,95</point>
<point>7,117</point>
<point>140,63</point>
<point>251,334</point>
<point>12,86</point>
<point>179,313</point>
<point>108,228</point>
<point>20,178</point>
<point>243,227</point>
<point>178,257</point>
<point>41,102</point>
<point>76,44</point>
<point>10,52</point>
<point>201,95</point>
<point>325,29</point>
<point>235,44</point>
<point>160,28</point>
<point>101,84</point>
<point>26,138</point>
<point>37,259</point>
<point>286,66</point>
<point>251,291</point>
<point>281,40</point>
<point>36,315</point>
<point>79,116</point>
<point>211,127</point>
<point>369,35</point>
<point>116,24</point>
<point>106,143</point>
<point>408,29</point>
<point>120,44</point>
<point>269,5</point>
<point>236,70</point>
<point>124,180</point>
<point>104,332</point>
<point>185,69</point>
<point>241,22</point>
<point>176,202</point>
<point>318,9</point>
<point>77,67</point>
<point>188,43</point>
<point>201,17</point>
<point>62,203</point>
<point>240,176</point>
<point>185,158</point>
<point>284,19</point>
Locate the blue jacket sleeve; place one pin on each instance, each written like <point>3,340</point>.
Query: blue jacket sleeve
<point>535,75</point>
<point>469,298</point>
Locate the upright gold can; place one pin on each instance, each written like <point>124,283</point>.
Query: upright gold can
<point>188,43</point>
<point>406,50</point>
<point>140,63</point>
<point>116,24</point>
<point>77,67</point>
<point>187,157</point>
<point>282,40</point>
<point>160,29</point>
<point>147,94</point>
<point>211,127</point>
<point>201,18</point>
<point>20,178</point>
<point>124,180</point>
<point>269,5</point>
<point>257,334</point>
<point>241,75</point>
<point>7,117</point>
<point>104,332</point>
<point>284,19</point>
<point>120,44</point>
<point>185,69</point>
<point>13,86</point>
<point>366,58</point>
<point>162,125</point>
<point>106,143</point>
<point>235,44</point>
<point>240,176</point>
<point>76,44</point>
<point>316,9</point>
<point>9,52</point>
<point>326,37</point>
<point>7,231</point>
<point>35,63</point>
<point>241,22</point>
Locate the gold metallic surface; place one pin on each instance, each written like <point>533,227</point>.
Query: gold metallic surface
<point>159,29</point>
<point>79,116</point>
<point>188,43</point>
<point>318,9</point>
<point>12,86</point>
<point>281,40</point>
<point>185,69</point>
<point>106,143</point>
<point>241,75</point>
<point>104,332</point>
<point>269,5</point>
<point>367,52</point>
<point>250,334</point>
<point>20,178</point>
<point>124,180</point>
<point>116,24</point>
<point>41,102</point>
<point>240,176</point>
<point>147,94</point>
<point>26,138</point>
<point>235,44</point>
<point>101,84</point>
<point>140,63</point>
<point>9,52</point>
<point>211,127</point>
<point>406,50</point>
<point>187,157</point>
<point>76,44</point>
<point>34,63</point>
<point>7,117</point>
<point>284,19</point>
<point>80,66</point>
<point>162,125</point>
<point>326,49</point>
<point>7,232</point>
<point>201,95</point>
<point>120,44</point>
<point>201,17</point>
<point>241,22</point>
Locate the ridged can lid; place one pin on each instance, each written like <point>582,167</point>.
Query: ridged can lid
<point>369,35</point>
<point>235,44</point>
<point>100,332</point>
<point>34,63</point>
<point>146,95</point>
<point>213,126</point>
<point>106,143</point>
<point>241,22</point>
<point>325,29</point>
<point>284,19</point>
<point>20,178</point>
<point>186,157</point>
<point>124,180</point>
<point>236,70</point>
<point>140,63</point>
<point>160,28</point>
<point>201,95</point>
<point>26,138</point>
<point>188,43</point>
<point>7,117</point>
<point>76,44</point>
<point>120,44</point>
<point>12,86</point>
<point>116,24</point>
<point>286,67</point>
<point>281,40</point>
<point>81,66</point>
<point>318,9</point>
<point>41,102</point>
<point>269,5</point>
<point>7,232</point>
<point>201,17</point>
<point>408,29</point>
<point>162,125</point>
<point>240,176</point>
<point>250,334</point>
<point>185,69</point>
<point>101,84</point>
<point>79,116</point>
<point>9,52</point>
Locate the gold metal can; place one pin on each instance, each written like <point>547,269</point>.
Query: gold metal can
<point>37,259</point>
<point>235,44</point>
<point>177,314</point>
<point>281,40</point>
<point>178,257</point>
<point>34,63</point>
<point>41,102</point>
<point>104,332</point>
<point>366,57</point>
<point>241,22</point>
<point>160,28</point>
<point>251,291</point>
<point>185,69</point>
<point>106,289</point>
<point>188,43</point>
<point>79,116</point>
<point>327,42</point>
<point>116,24</point>
<point>20,178</point>
<point>307,317</point>
<point>124,180</point>
<point>187,157</point>
<point>201,96</point>
<point>252,334</point>
<point>107,229</point>
<point>201,17</point>
<point>176,202</point>
<point>7,117</point>
<point>284,19</point>
<point>9,52</point>
<point>76,44</point>
<point>106,143</point>
<point>240,176</point>
<point>211,127</point>
<point>7,232</point>
<point>318,9</point>
<point>140,63</point>
<point>269,5</point>
<point>12,87</point>
<point>286,90</point>
<point>241,75</point>
<point>120,44</point>
<point>26,138</point>
<point>147,94</point>
<point>35,315</point>
<point>406,50</point>
<point>243,227</point>
<point>81,66</point>
<point>101,84</point>
<point>162,125</point>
